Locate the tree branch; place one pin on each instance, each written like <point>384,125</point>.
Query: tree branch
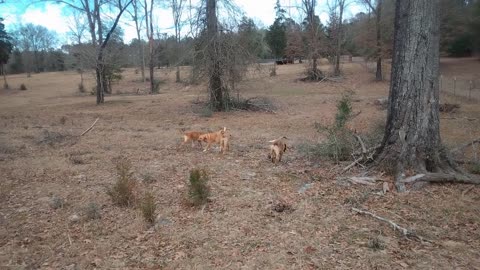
<point>405,232</point>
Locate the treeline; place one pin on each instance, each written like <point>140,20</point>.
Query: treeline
<point>36,49</point>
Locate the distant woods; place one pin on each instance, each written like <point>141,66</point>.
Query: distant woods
<point>368,34</point>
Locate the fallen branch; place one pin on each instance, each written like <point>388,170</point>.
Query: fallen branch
<point>359,139</point>
<point>442,178</point>
<point>461,147</point>
<point>369,150</point>
<point>461,118</point>
<point>352,164</point>
<point>406,232</point>
<point>90,128</point>
<point>362,180</point>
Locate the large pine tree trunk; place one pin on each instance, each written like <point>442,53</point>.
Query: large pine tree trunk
<point>412,136</point>
<point>214,69</point>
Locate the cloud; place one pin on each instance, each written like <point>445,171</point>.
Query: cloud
<point>49,16</point>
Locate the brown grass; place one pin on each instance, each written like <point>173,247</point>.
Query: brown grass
<point>241,227</point>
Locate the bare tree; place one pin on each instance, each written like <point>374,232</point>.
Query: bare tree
<point>93,11</point>
<point>337,8</point>
<point>177,11</point>
<point>412,135</point>
<point>376,8</point>
<point>77,26</point>
<point>136,5</point>
<point>215,86</point>
<point>149,23</point>
<point>314,30</point>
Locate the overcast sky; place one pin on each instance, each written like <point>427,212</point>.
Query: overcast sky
<point>56,17</point>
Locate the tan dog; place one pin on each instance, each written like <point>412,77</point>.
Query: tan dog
<point>192,136</point>
<point>215,137</point>
<point>277,148</point>
<point>225,143</point>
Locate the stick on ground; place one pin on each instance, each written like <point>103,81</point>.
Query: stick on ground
<point>406,232</point>
<point>88,129</point>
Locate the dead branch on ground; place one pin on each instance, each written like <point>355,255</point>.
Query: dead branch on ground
<point>88,129</point>
<point>442,178</point>
<point>406,232</point>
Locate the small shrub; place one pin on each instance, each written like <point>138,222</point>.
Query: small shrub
<point>92,211</point>
<point>63,120</point>
<point>52,138</point>
<point>147,178</point>
<point>376,244</point>
<point>81,88</point>
<point>6,86</point>
<point>206,112</point>
<point>475,168</point>
<point>339,143</point>
<point>148,208</point>
<point>56,202</point>
<point>76,160</point>
<point>198,190</point>
<point>156,86</point>
<point>23,86</point>
<point>122,192</point>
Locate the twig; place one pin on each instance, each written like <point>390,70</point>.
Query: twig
<point>352,164</point>
<point>406,232</point>
<point>88,129</point>
<point>362,180</point>
<point>467,190</point>
<point>364,149</point>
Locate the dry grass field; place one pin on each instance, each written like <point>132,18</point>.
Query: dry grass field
<point>296,215</point>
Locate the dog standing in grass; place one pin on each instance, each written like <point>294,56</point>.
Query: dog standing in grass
<point>277,148</point>
<point>219,137</point>
<point>192,136</point>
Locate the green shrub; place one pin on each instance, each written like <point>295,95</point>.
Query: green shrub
<point>122,192</point>
<point>148,208</point>
<point>198,190</point>
<point>92,211</point>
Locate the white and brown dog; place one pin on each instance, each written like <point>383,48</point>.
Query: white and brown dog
<point>277,148</point>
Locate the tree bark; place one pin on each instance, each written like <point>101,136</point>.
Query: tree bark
<point>341,7</point>
<point>214,70</point>
<point>149,23</point>
<point>5,84</point>
<point>379,75</point>
<point>141,47</point>
<point>412,134</point>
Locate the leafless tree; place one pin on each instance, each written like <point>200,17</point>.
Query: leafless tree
<point>137,19</point>
<point>313,29</point>
<point>337,8</point>
<point>149,22</point>
<point>92,9</point>
<point>376,8</point>
<point>177,11</point>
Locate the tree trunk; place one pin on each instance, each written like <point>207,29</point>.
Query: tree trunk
<point>141,48</point>
<point>338,53</point>
<point>412,135</point>
<point>177,75</point>
<point>5,84</point>
<point>214,69</point>
<point>378,75</point>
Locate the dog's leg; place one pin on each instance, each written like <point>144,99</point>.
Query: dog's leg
<point>200,143</point>
<point>206,148</point>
